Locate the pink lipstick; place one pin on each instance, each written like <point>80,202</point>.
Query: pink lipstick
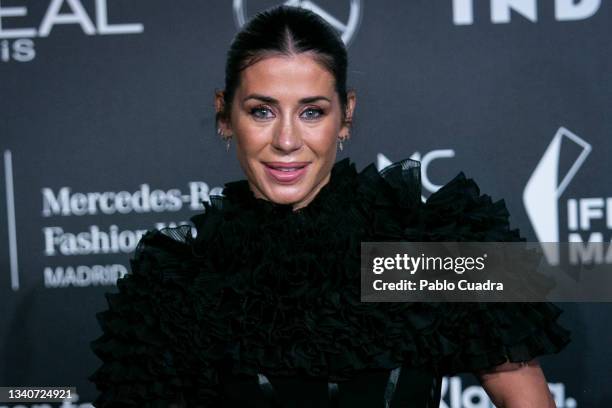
<point>286,172</point>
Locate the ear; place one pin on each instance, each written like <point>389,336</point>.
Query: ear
<point>222,122</point>
<point>351,100</point>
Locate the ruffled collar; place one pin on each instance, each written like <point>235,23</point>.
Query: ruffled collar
<point>394,192</point>
<point>279,292</point>
<point>342,178</point>
<point>285,285</point>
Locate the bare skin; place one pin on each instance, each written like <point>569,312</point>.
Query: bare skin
<point>515,385</point>
<point>286,110</point>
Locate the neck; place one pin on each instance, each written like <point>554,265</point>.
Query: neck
<point>298,204</point>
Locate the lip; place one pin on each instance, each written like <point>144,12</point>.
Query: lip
<point>275,172</point>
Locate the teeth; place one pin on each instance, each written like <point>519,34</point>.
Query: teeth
<point>287,168</point>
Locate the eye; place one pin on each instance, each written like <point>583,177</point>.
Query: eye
<point>261,112</point>
<point>312,113</point>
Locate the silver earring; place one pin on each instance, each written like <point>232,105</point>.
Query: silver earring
<point>340,140</point>
<point>226,138</point>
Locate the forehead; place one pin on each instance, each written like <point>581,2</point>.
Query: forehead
<point>294,76</point>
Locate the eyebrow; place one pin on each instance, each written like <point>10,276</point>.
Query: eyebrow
<point>269,99</point>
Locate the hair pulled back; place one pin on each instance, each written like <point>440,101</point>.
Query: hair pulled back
<point>285,30</point>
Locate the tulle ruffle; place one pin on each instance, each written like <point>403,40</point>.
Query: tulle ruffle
<point>139,365</point>
<point>264,289</point>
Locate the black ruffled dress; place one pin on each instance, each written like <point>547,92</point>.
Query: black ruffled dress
<point>262,307</point>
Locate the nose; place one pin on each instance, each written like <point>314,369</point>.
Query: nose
<point>287,138</point>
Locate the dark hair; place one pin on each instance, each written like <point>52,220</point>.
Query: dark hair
<point>285,30</point>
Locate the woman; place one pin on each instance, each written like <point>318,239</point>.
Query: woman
<point>262,307</point>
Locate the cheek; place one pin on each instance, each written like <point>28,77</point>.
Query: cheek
<point>324,137</point>
<point>250,137</point>
<point>251,141</point>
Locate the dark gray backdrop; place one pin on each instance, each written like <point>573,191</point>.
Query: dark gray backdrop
<point>488,87</point>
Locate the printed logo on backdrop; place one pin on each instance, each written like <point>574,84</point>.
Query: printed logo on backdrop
<point>17,39</point>
<point>113,239</point>
<point>503,11</point>
<point>455,394</point>
<point>426,159</point>
<point>61,242</point>
<point>588,219</point>
<point>346,26</point>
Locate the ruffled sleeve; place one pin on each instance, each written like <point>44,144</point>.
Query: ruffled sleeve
<point>475,336</point>
<point>147,329</point>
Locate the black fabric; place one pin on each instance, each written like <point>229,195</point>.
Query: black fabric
<point>263,289</point>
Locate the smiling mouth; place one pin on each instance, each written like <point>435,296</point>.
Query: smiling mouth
<point>285,172</point>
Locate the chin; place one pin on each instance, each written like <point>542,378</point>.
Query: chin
<point>285,194</point>
<point>289,198</point>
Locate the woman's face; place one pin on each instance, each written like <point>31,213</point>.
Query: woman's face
<point>286,119</point>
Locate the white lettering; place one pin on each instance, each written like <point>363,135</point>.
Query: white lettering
<point>66,203</point>
<point>105,28</point>
<point>15,32</point>
<point>500,10</point>
<point>92,241</point>
<point>590,208</point>
<point>463,12</point>
<point>572,214</point>
<point>199,192</point>
<point>595,251</point>
<point>567,10</point>
<point>426,161</point>
<point>78,16</point>
<point>83,275</point>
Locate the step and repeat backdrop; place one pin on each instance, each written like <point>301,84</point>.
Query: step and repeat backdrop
<point>107,130</point>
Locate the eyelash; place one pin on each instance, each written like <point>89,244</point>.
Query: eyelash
<point>253,112</point>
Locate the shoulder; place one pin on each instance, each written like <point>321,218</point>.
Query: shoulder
<point>156,285</point>
<point>162,254</point>
<point>458,211</point>
<point>474,214</point>
<point>396,187</point>
<point>169,241</point>
<point>404,176</point>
